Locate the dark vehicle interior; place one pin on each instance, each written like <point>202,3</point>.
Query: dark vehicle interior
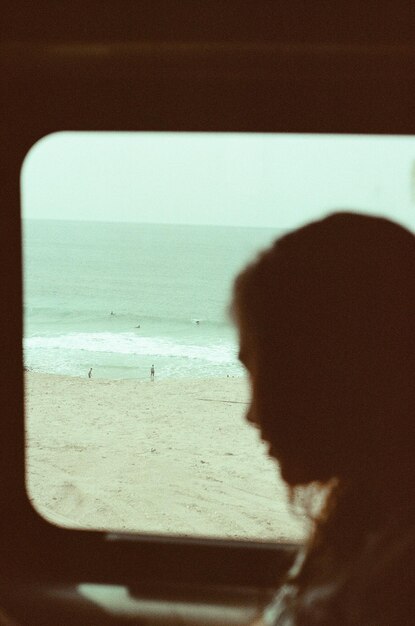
<point>173,66</point>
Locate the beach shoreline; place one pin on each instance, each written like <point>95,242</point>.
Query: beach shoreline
<point>173,456</point>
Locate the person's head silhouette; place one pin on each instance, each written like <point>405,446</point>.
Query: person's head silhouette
<point>326,320</point>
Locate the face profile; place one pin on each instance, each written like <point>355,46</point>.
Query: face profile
<point>325,327</point>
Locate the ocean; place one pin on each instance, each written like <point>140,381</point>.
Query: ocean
<point>121,297</point>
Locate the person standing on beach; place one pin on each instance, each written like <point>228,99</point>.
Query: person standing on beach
<point>90,373</point>
<point>152,373</point>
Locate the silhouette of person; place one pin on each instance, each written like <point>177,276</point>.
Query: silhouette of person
<point>152,372</point>
<point>90,373</point>
<point>326,321</point>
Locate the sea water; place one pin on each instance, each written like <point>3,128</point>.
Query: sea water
<point>121,297</point>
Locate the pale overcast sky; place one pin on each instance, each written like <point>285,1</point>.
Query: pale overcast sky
<point>217,178</point>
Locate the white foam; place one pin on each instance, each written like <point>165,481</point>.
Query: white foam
<point>129,343</point>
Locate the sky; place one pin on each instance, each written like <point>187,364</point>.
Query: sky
<point>237,179</point>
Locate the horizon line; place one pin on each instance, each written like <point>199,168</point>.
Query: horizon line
<point>52,219</point>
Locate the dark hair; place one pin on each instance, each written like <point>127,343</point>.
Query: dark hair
<point>329,311</point>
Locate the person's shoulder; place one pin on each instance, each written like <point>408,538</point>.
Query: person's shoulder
<point>376,588</point>
<point>383,593</point>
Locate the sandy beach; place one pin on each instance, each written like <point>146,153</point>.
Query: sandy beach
<point>169,456</point>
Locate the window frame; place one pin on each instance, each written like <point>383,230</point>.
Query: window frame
<point>234,87</point>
